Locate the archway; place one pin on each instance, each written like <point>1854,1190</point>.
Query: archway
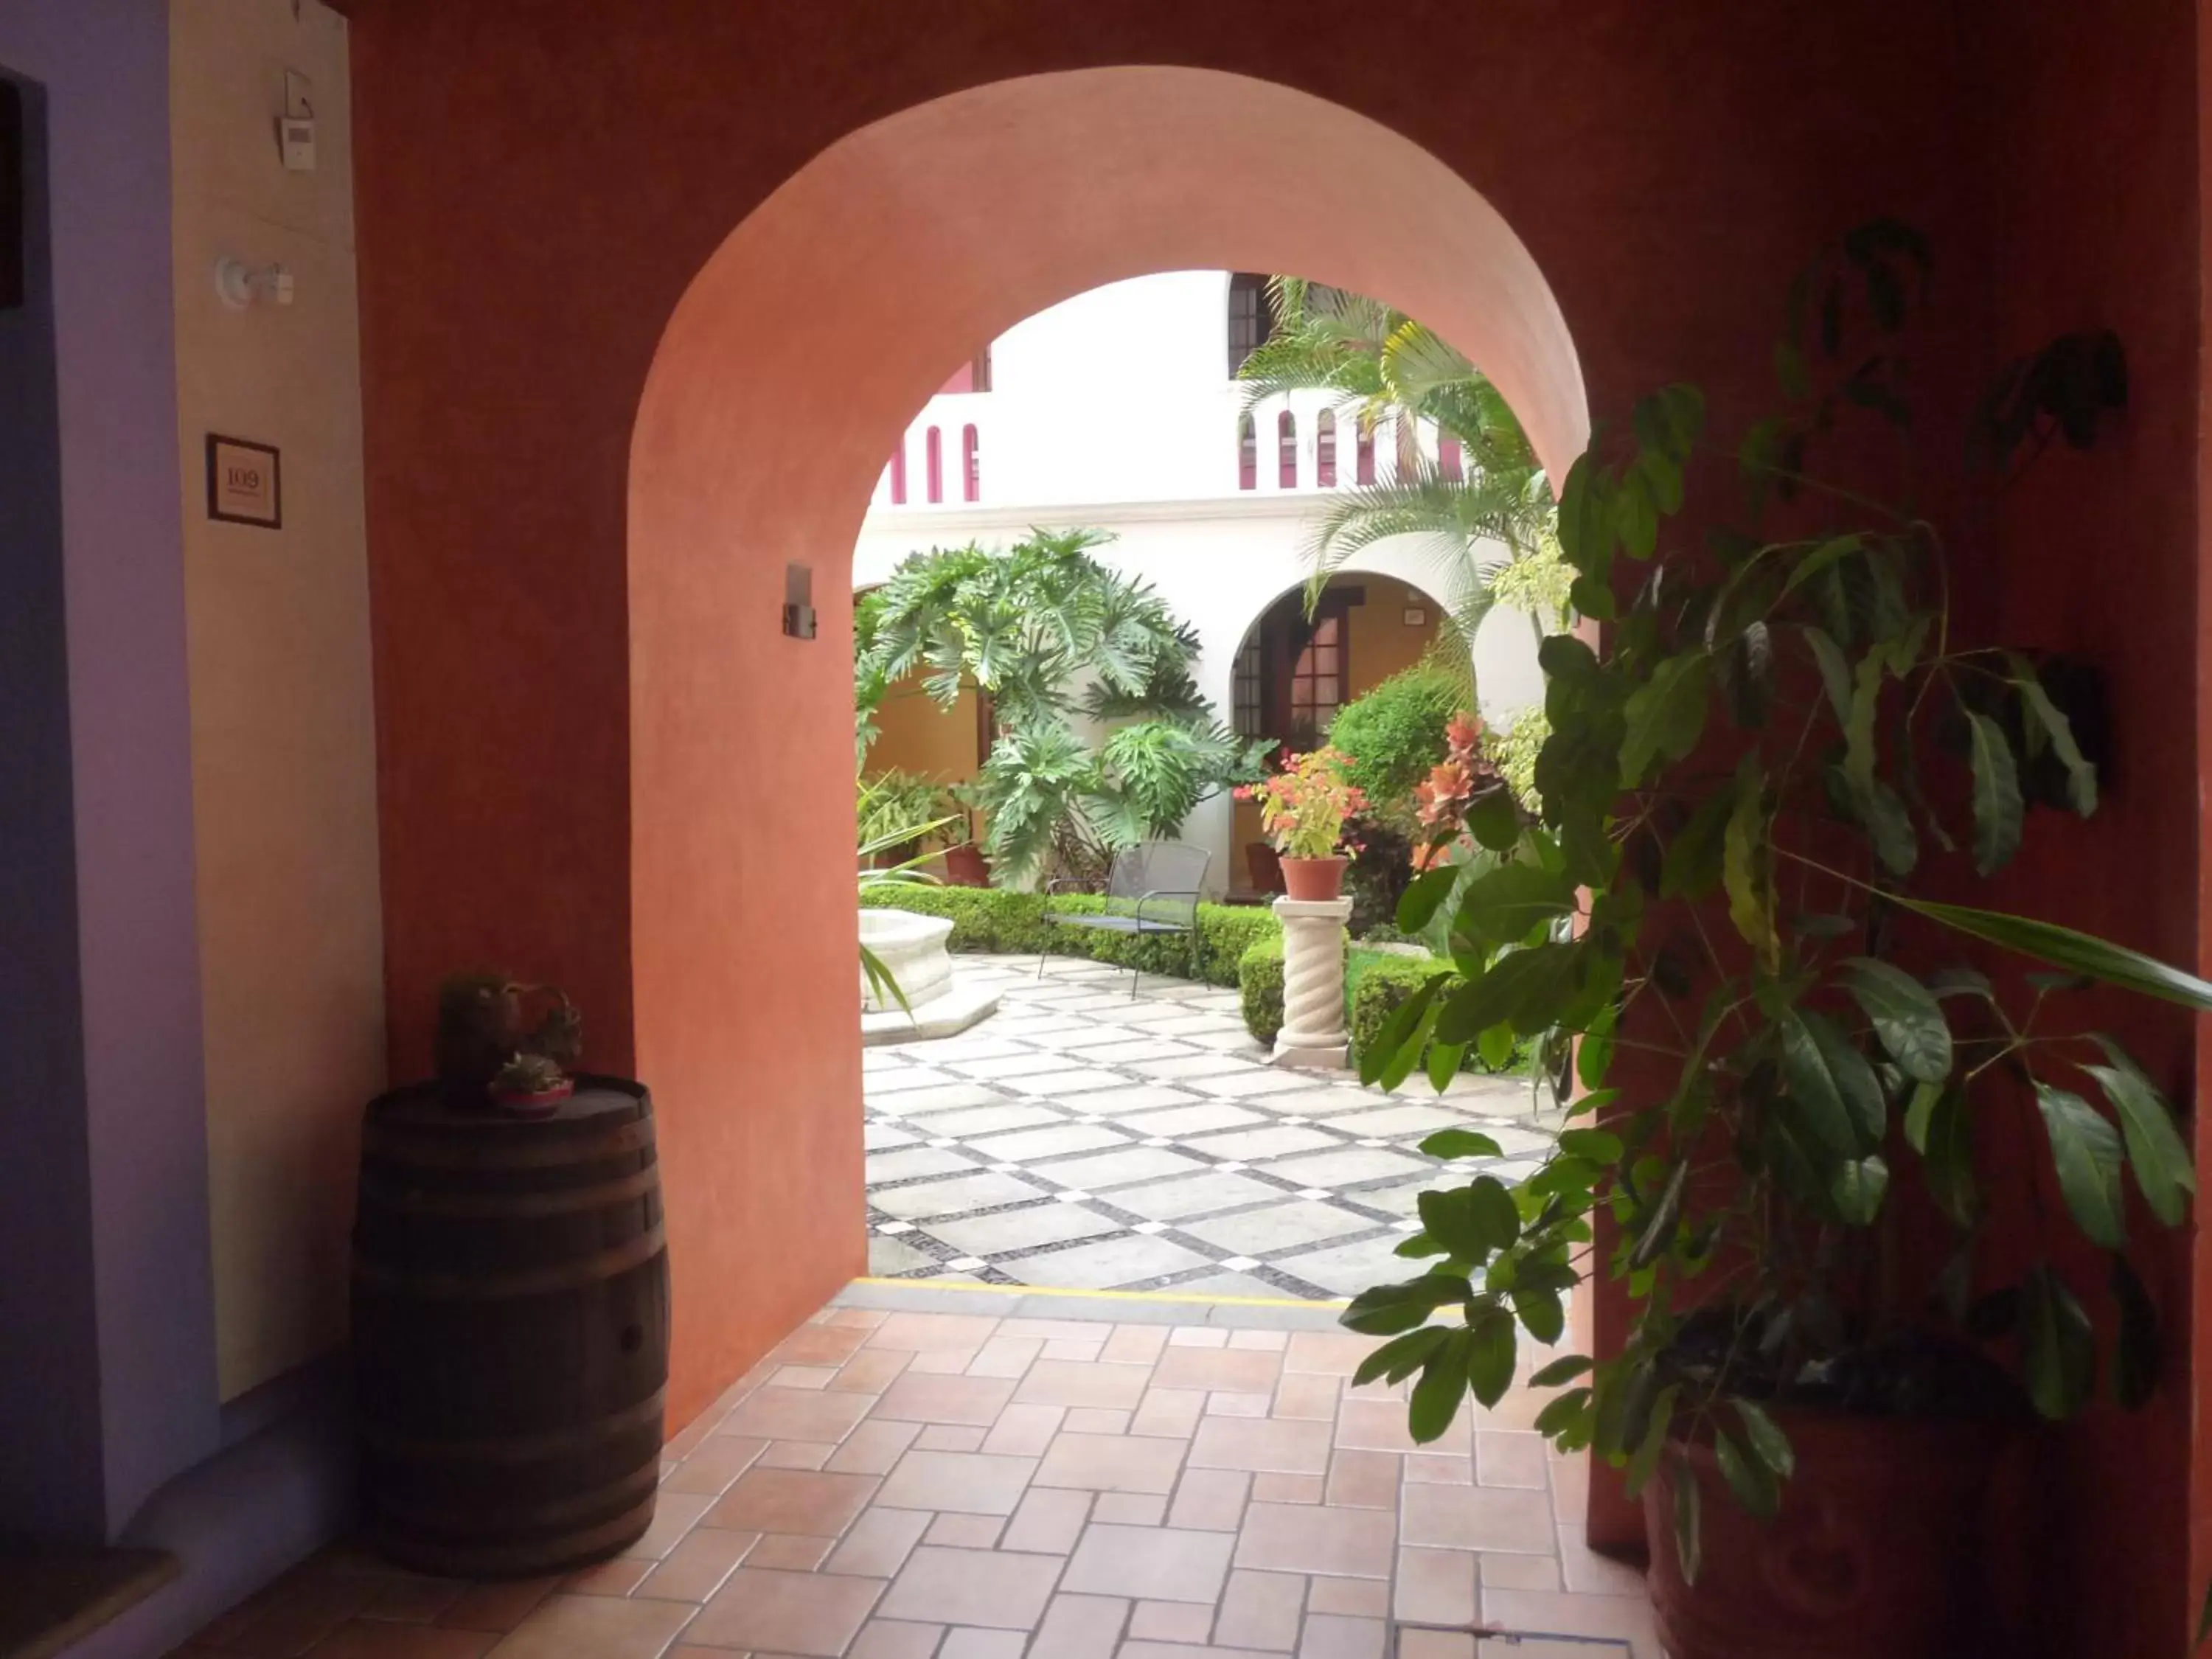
<point>794,358</point>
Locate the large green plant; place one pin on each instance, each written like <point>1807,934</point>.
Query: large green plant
<point>1047,633</point>
<point>1392,734</point>
<point>1751,792</point>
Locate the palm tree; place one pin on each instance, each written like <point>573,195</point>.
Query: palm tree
<point>1391,371</point>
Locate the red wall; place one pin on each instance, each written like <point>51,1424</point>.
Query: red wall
<point>537,191</point>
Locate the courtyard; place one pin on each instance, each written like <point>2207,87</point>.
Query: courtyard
<point>1083,1138</point>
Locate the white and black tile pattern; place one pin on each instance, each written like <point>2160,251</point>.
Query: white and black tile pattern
<point>1081,1140</point>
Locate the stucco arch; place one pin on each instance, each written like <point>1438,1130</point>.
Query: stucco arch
<point>793,360</point>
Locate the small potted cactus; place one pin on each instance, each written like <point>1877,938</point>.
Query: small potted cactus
<point>531,1085</point>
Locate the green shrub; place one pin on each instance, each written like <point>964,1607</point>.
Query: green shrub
<point>1377,982</point>
<point>1395,732</point>
<point>989,919</point>
<point>1259,978</point>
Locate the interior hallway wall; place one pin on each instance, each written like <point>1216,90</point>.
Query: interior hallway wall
<point>282,704</point>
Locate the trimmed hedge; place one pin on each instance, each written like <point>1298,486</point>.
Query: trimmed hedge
<point>1379,982</point>
<point>989,919</point>
<point>1259,978</point>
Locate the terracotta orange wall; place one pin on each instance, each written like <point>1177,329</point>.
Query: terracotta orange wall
<point>536,193</point>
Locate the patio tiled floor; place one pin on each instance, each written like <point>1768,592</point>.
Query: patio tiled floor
<point>903,1485</point>
<point>1083,1139</point>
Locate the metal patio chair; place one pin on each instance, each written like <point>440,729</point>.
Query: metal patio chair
<point>1151,888</point>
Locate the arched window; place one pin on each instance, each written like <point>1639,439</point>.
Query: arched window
<point>1251,320</point>
<point>1286,450</point>
<point>1363,465</point>
<point>933,451</point>
<point>1325,450</point>
<point>1451,459</point>
<point>971,466</point>
<point>898,473</point>
<point>1248,453</point>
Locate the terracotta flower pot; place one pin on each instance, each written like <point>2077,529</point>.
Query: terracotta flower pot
<point>1877,1551</point>
<point>1314,879</point>
<point>541,1102</point>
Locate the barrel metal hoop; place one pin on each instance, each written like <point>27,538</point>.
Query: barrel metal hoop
<point>558,1555</point>
<point>506,1524</point>
<point>525,1448</point>
<point>495,1287</point>
<point>512,1206</point>
<point>409,1145</point>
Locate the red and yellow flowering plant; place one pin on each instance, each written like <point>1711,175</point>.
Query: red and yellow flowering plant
<point>1465,781</point>
<point>1304,806</point>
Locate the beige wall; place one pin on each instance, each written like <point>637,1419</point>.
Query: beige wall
<point>283,735</point>
<point>913,734</point>
<point>1381,643</point>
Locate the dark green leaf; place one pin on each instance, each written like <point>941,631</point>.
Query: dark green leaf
<point>1377,1058</point>
<point>1416,1247</point>
<point>1905,1017</point>
<point>1689,1530</point>
<point>1997,795</point>
<point>1496,1047</point>
<point>1858,1188</point>
<point>1540,1312</point>
<point>2035,701</point>
<point>1490,1358</point>
<point>1437,1396</point>
<point>1918,1114</point>
<point>1460,1143</point>
<point>1636,516</point>
<point>1570,1407</point>
<point>1644,1459</point>
<point>1591,598</point>
<point>1888,826</point>
<point>1495,822</point>
<point>1750,1480</point>
<point>2161,1158</point>
<point>1666,714</point>
<point>1423,894</point>
<point>2086,1150</point>
<point>1593,1054</point>
<point>1745,860</point>
<point>2058,1347</point>
<point>1504,905</point>
<point>1659,1232</point>
<point>1566,1369</point>
<point>1599,1145</point>
<point>1586,518</point>
<point>1949,1155</point>
<point>1859,751</point>
<point>1444,1063</point>
<point>1838,1100</point>
<point>1767,1441</point>
<point>2063,947</point>
<point>1835,672</point>
<point>2135,1353</point>
<point>1409,1350</point>
<point>1692,864</point>
<point>1496,1217</point>
<point>1961,982</point>
<point>1447,1217</point>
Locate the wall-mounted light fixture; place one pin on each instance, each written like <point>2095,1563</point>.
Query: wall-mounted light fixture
<point>241,285</point>
<point>798,601</point>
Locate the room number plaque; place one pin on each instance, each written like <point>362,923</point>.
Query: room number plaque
<point>244,482</point>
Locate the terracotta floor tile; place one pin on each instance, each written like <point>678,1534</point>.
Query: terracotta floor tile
<point>1302,1394</point>
<point>1263,1445</point>
<point>1624,1618</point>
<point>1335,1636</point>
<point>819,1504</point>
<point>1260,1341</point>
<point>878,1543</point>
<point>1050,1330</point>
<point>303,1608</point>
<point>796,1455</point>
<point>1437,1644</point>
<point>1506,1458</point>
<point>1535,1573</point>
<point>1286,1489</point>
<point>874,1448</point>
<point>1316,1539</point>
<point>1024,1431</point>
<point>1330,1353</point>
<point>1589,1573</point>
<point>1112,1463</point>
<point>920,1332</point>
<point>1429,1468</point>
<point>674,1514</point>
<point>919,1397</point>
<point>1480,1518</point>
<point>965,1532</point>
<point>1435,1587</point>
<point>1160,1564</point>
<point>1170,1621</point>
<point>1236,1370</point>
<point>1570,1489</point>
<point>1260,1610</point>
<point>1183,1651</point>
<point>1364,1479</point>
<point>1171,1412</point>
<point>1083,1348</point>
<point>972,1483</point>
<point>1048,1522</point>
<point>1367,1597</point>
<point>617,1577</point>
<point>943,1362</point>
<point>858,1319</point>
<point>997,1590</point>
<point>816,1613</point>
<point>773,1413</point>
<point>1135,1345</point>
<point>1095,1419</point>
<point>870,1370</point>
<point>1518,1410</point>
<point>1080,1627</point>
<point>719,1460</point>
<point>949,1437</point>
<point>1209,1500</point>
<point>415,1600</point>
<point>789,1551</point>
<point>818,1344</point>
<point>392,1639</point>
<point>890,1639</point>
<point>498,1607</point>
<point>1197,1336</point>
<point>1130,1509</point>
<point>695,1568</point>
<point>1005,1356</point>
<point>1076,1382</point>
<point>594,1627</point>
<point>1222,1404</point>
<point>1379,1425</point>
<point>962,1643</point>
<point>803,1376</point>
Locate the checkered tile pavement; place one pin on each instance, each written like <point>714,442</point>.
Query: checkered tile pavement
<point>1082,1139</point>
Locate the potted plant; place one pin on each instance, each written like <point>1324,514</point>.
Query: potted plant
<point>488,1019</point>
<point>1303,808</point>
<point>531,1085</point>
<point>1724,924</point>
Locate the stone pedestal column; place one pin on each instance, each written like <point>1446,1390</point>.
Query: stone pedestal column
<point>1313,1033</point>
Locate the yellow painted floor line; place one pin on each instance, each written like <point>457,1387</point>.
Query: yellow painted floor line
<point>1101,1295</point>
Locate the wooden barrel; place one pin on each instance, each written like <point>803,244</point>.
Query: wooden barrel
<point>510,1330</point>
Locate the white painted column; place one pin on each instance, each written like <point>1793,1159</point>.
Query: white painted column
<point>1313,1033</point>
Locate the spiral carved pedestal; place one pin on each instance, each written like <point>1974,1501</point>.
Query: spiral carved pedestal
<point>1313,1033</point>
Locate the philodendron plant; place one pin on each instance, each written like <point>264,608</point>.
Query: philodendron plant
<point>1717,924</point>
